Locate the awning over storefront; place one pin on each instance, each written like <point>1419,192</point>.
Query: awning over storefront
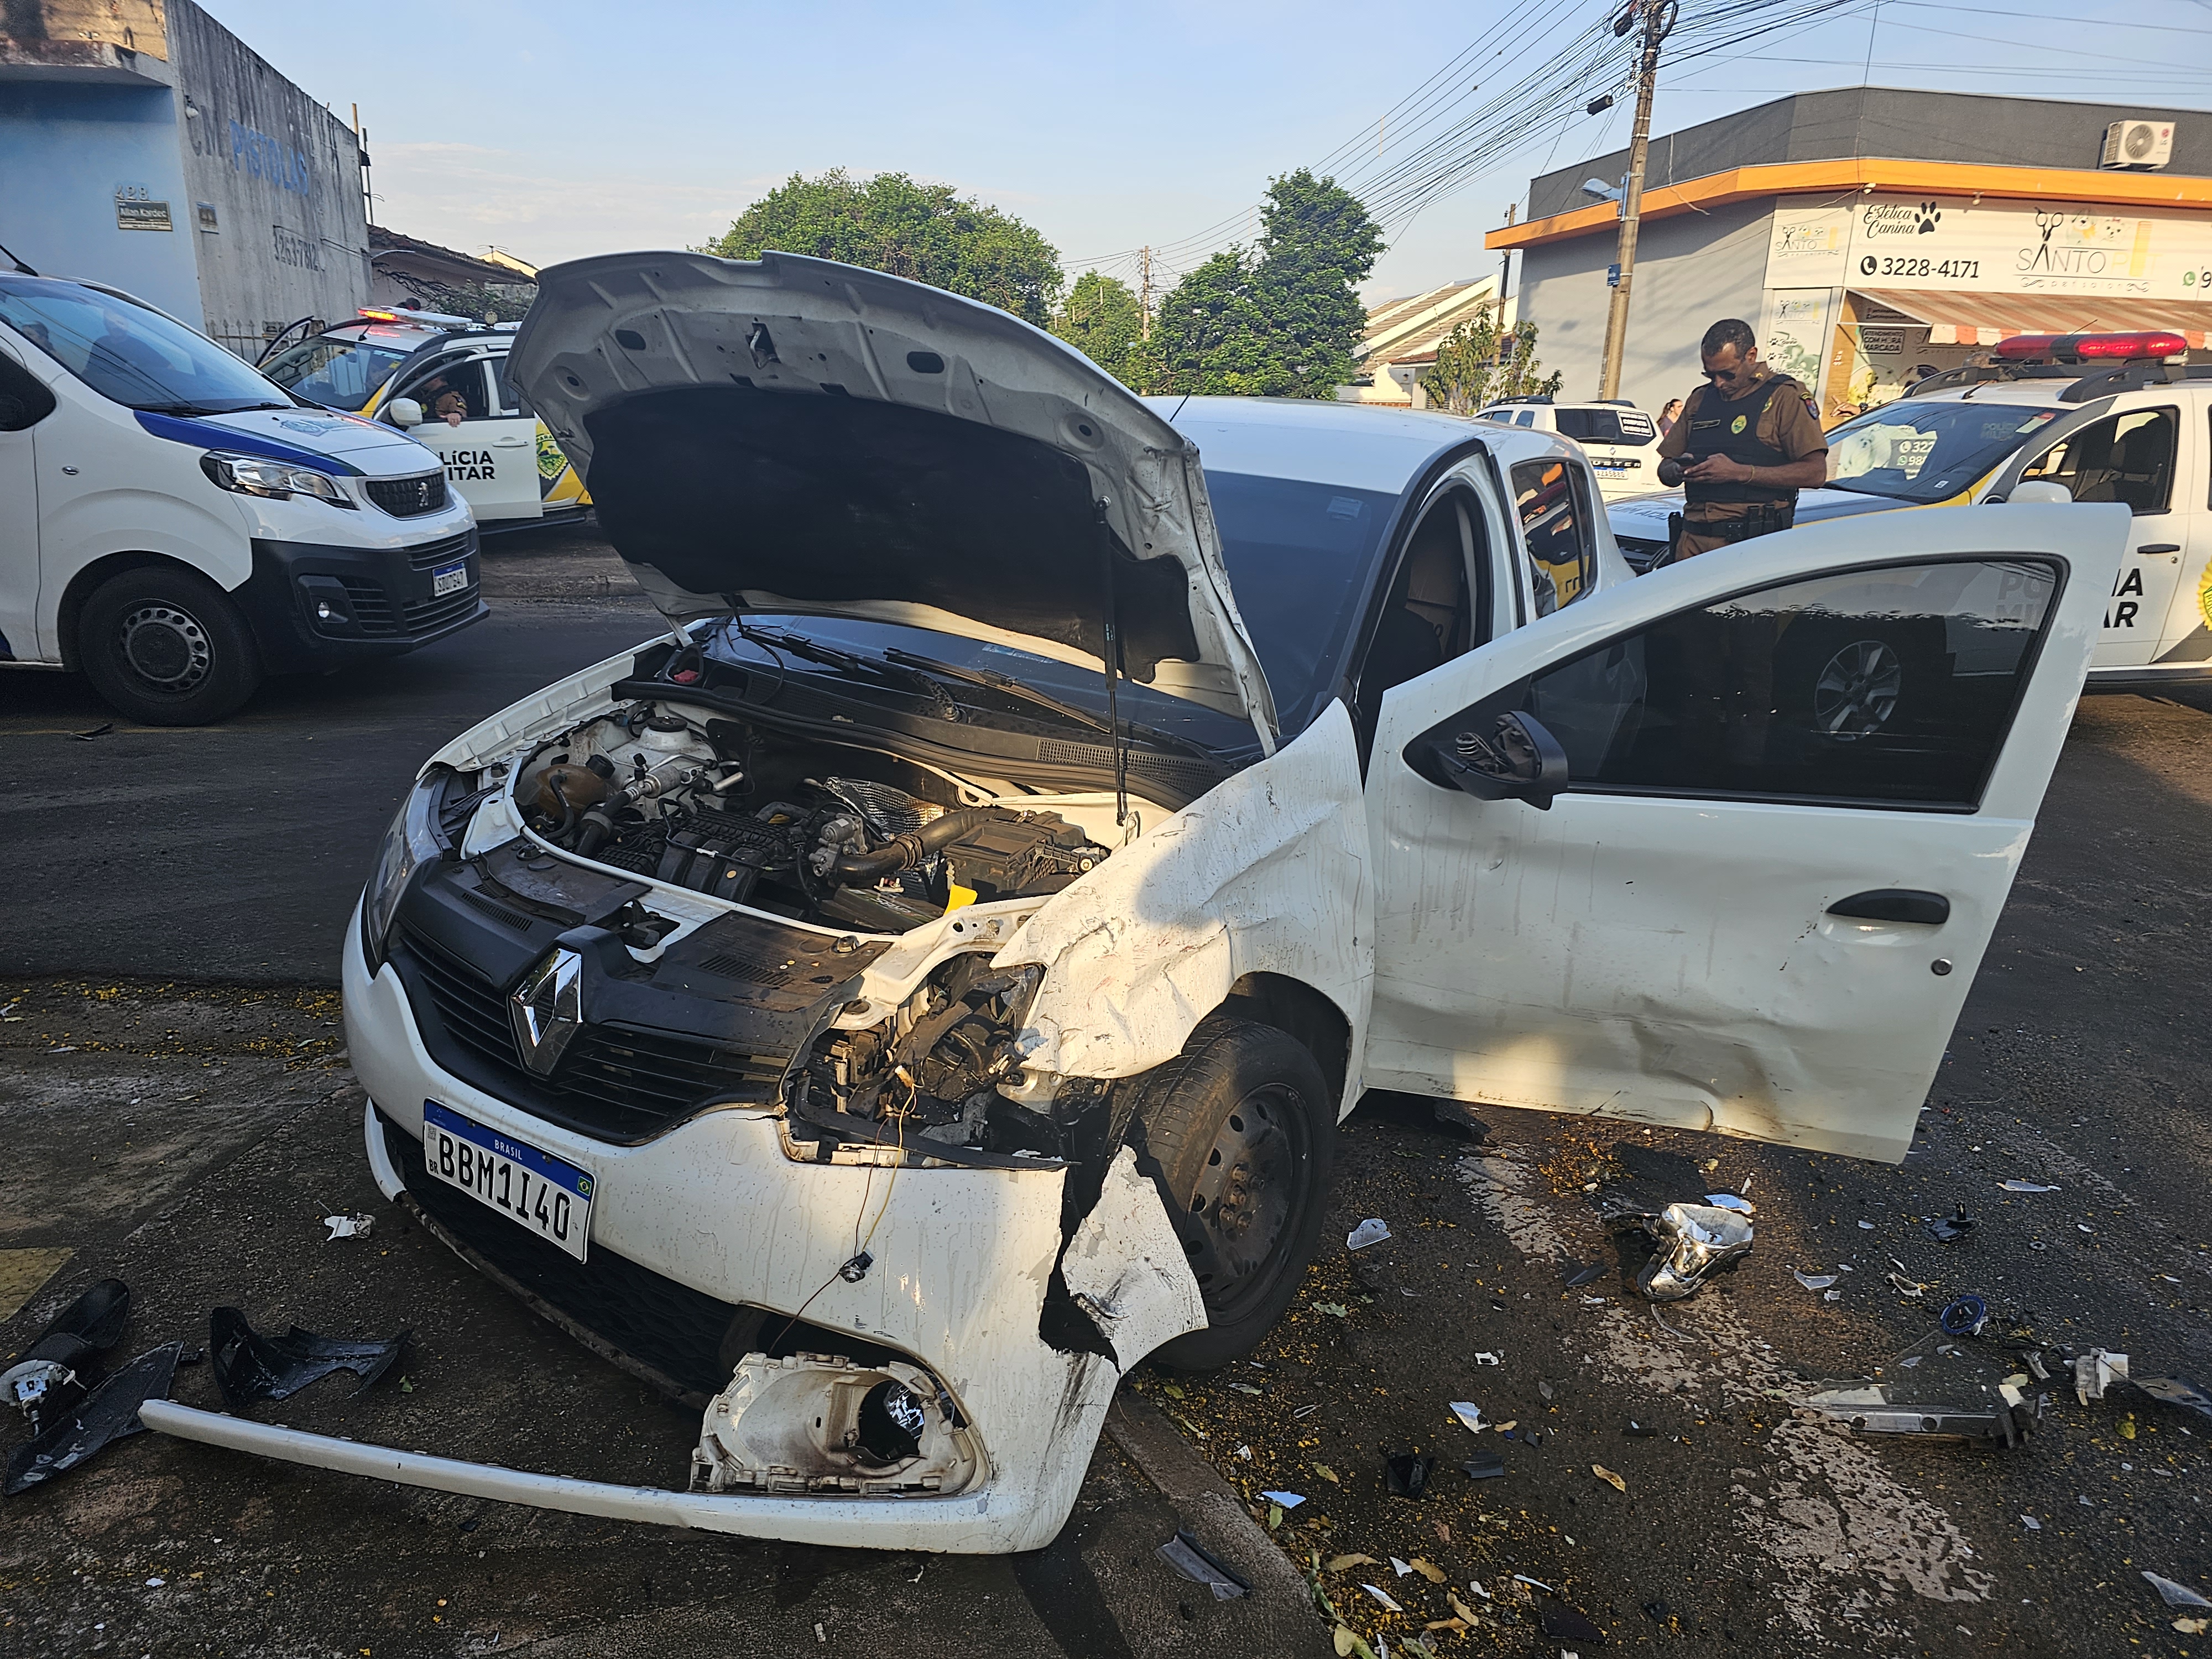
<point>1986,318</point>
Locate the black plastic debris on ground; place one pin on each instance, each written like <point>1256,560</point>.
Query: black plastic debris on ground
<point>1949,1229</point>
<point>1484,1465</point>
<point>2176,1391</point>
<point>1561,1623</point>
<point>1201,1566</point>
<point>1408,1473</point>
<point>109,1413</point>
<point>1579,1275</point>
<point>249,1366</point>
<point>63,1364</point>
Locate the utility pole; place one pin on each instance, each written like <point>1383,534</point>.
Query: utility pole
<point>1658,18</point>
<point>1144,294</point>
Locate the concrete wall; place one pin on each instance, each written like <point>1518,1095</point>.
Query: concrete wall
<point>67,148</point>
<point>1882,121</point>
<point>281,178</point>
<point>1690,272</point>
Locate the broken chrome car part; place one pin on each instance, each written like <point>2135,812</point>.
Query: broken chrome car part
<point>2002,1413</point>
<point>814,1423</point>
<point>1694,1240</point>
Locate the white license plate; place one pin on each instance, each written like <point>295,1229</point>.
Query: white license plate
<point>533,1188</point>
<point>451,579</point>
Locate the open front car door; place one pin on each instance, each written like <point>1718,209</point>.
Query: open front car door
<point>1722,848</point>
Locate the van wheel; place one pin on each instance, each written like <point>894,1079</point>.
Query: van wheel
<point>1244,1129</point>
<point>165,647</point>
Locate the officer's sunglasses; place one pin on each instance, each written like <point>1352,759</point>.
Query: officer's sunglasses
<point>1724,376</point>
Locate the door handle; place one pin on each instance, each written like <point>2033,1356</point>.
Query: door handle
<point>1895,904</point>
<point>508,443</point>
<point>2159,547</point>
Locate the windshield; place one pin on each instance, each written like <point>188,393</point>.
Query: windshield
<point>130,354</point>
<point>1298,554</point>
<point>1920,450</point>
<point>334,372</point>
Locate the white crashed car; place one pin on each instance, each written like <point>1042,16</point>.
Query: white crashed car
<point>925,982</point>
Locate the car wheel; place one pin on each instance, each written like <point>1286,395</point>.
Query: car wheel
<point>165,647</point>
<point>1857,689</point>
<point>1243,1127</point>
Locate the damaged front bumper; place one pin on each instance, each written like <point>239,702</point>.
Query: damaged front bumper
<point>715,1220</point>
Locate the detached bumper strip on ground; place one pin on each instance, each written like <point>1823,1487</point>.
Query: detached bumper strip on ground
<point>865,1521</point>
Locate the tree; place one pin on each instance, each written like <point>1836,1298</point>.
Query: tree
<point>892,223</point>
<point>1103,320</point>
<point>1476,366</point>
<point>1283,318</point>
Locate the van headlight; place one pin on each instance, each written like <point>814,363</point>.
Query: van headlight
<point>409,842</point>
<point>279,481</point>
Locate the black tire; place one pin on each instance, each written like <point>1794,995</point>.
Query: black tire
<point>165,647</point>
<point>1857,679</point>
<point>1243,1126</point>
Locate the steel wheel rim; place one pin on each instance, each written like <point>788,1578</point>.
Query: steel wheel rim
<point>1857,692</point>
<point>165,645</point>
<point>1245,1199</point>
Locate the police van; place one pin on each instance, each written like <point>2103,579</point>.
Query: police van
<point>174,525</point>
<point>1622,442</point>
<point>2085,417</point>
<point>443,379</point>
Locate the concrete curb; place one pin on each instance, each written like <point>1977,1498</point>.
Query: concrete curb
<point>1283,1620</point>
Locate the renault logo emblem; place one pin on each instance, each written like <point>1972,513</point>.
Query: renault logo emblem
<point>547,1009</point>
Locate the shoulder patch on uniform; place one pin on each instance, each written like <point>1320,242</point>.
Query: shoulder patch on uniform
<point>1812,408</point>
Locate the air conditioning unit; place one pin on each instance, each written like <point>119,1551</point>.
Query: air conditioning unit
<point>2138,144</point>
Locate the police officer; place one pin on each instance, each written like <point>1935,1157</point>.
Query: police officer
<point>1746,445</point>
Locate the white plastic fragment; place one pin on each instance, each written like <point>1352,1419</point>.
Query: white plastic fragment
<point>1470,1415</point>
<point>1373,1231</point>
<point>1487,1357</point>
<point>348,1226</point>
<point>1402,1568</point>
<point>1730,1201</point>
<point>2093,1370</point>
<point>1289,1500</point>
<point>2176,1596</point>
<point>2023,1187</point>
<point>1390,1602</point>
<point>1475,1584</point>
<point>2030,1524</point>
<point>1815,1281</point>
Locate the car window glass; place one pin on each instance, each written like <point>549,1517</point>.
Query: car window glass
<point>1555,523</point>
<point>130,354</point>
<point>504,400</point>
<point>335,372</point>
<point>1923,450</point>
<point>2123,457</point>
<point>1628,427</point>
<point>451,389</point>
<point>1526,417</point>
<point>1893,686</point>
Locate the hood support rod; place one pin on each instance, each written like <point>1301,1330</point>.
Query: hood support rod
<point>1112,656</point>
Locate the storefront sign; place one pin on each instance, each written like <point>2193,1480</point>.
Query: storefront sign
<point>1793,332</point>
<point>1993,247</point>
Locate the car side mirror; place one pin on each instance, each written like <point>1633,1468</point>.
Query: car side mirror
<point>2041,490</point>
<point>404,412</point>
<point>1517,760</point>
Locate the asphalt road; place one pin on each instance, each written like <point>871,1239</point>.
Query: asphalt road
<point>2077,1066</point>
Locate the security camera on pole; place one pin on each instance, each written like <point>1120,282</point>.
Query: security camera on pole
<point>1658,18</point>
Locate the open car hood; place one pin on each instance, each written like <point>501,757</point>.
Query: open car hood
<point>794,435</point>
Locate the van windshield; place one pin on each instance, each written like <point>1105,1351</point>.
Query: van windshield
<point>130,353</point>
<point>334,372</point>
<point>1923,450</point>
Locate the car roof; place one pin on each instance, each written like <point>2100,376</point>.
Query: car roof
<point>1351,446</point>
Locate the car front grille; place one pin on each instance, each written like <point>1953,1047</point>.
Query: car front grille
<point>408,498</point>
<point>421,616</point>
<point>372,606</point>
<point>432,556</point>
<point>669,1328</point>
<point>615,1083</point>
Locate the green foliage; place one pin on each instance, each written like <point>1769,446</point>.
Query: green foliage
<point>1476,368</point>
<point>1281,320</point>
<point>892,223</point>
<point>1103,320</point>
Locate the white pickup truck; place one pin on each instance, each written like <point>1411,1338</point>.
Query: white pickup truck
<point>2111,417</point>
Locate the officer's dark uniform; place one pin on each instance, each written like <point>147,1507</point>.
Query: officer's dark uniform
<point>1771,423</point>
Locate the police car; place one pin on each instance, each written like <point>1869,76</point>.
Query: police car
<point>444,379</point>
<point>1622,442</point>
<point>2087,417</point>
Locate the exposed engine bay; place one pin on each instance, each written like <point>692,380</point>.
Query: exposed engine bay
<point>867,841</point>
<point>710,803</point>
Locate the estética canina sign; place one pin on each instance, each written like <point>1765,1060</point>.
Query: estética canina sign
<point>1995,247</point>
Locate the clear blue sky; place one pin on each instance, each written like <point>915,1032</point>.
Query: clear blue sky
<point>557,129</point>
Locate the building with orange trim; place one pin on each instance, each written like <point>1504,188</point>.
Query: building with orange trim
<point>1866,232</point>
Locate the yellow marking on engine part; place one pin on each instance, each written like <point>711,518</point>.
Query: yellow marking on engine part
<point>961,896</point>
